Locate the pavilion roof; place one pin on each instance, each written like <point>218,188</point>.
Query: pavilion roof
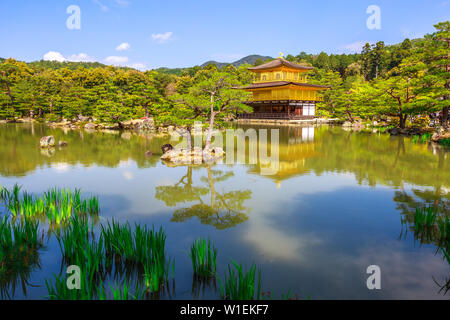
<point>278,63</point>
<point>283,83</point>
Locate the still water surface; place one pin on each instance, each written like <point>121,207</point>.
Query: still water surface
<point>334,207</point>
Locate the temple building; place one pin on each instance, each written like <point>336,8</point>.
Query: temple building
<point>280,91</point>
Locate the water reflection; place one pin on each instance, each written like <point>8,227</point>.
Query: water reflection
<point>20,153</point>
<point>17,265</point>
<point>222,209</point>
<point>339,204</point>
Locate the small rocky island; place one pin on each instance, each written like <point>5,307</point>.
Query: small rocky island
<point>196,155</point>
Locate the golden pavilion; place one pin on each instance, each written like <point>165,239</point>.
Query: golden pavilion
<point>280,91</point>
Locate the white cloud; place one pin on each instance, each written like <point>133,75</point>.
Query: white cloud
<point>116,60</point>
<point>162,37</point>
<point>138,66</point>
<point>116,3</point>
<point>122,3</point>
<point>81,57</point>
<point>54,56</point>
<point>123,46</point>
<point>101,5</point>
<point>128,175</point>
<point>60,166</point>
<point>408,33</point>
<point>354,47</point>
<point>57,56</point>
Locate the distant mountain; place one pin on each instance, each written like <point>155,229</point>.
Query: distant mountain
<point>248,59</point>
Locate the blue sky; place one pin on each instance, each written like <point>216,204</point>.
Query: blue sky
<point>153,33</point>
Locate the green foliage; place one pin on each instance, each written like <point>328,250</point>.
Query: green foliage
<point>445,142</point>
<point>239,284</point>
<point>139,245</point>
<point>429,224</point>
<point>425,217</point>
<point>57,205</point>
<point>19,257</point>
<point>142,247</point>
<point>203,257</point>
<point>407,80</point>
<point>58,290</point>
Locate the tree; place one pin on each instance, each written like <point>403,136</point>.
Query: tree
<point>220,94</point>
<point>395,96</point>
<point>366,61</point>
<point>378,59</point>
<point>186,110</point>
<point>435,52</point>
<point>11,72</point>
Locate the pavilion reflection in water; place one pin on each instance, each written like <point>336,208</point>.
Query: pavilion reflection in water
<point>296,145</point>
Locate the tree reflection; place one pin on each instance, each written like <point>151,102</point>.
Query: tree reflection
<point>20,153</point>
<point>16,266</point>
<point>408,204</point>
<point>224,210</point>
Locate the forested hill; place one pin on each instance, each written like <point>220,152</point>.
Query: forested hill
<point>405,81</point>
<point>251,59</point>
<point>44,64</point>
<point>337,62</point>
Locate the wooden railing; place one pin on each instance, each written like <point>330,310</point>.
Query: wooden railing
<point>281,116</point>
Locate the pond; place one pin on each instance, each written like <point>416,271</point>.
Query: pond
<point>338,202</point>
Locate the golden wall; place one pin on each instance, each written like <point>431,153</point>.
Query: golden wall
<point>285,93</point>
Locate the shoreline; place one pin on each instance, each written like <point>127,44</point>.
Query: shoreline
<point>148,125</point>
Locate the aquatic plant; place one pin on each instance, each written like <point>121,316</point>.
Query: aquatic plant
<point>142,247</point>
<point>156,273</point>
<point>239,284</point>
<point>122,292</point>
<point>382,129</point>
<point>445,142</point>
<point>59,290</point>
<point>89,290</point>
<point>203,257</point>
<point>446,252</point>
<point>425,137</point>
<point>201,284</point>
<point>136,245</point>
<point>444,229</point>
<point>78,247</point>
<point>425,217</point>
<point>19,254</point>
<point>57,205</point>
<point>421,138</point>
<point>21,234</point>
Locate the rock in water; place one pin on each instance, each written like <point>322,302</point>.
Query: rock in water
<point>394,131</point>
<point>62,144</point>
<point>90,126</point>
<point>148,154</point>
<point>47,142</point>
<point>166,147</point>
